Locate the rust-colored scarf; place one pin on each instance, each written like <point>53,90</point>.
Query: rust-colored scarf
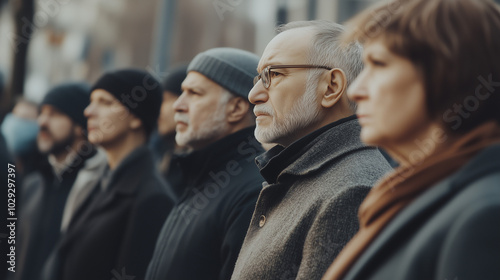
<point>398,189</point>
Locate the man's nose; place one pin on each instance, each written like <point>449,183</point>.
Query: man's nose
<point>258,94</point>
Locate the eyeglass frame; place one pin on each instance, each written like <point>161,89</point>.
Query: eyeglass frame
<point>267,70</point>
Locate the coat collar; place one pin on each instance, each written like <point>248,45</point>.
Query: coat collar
<point>312,151</point>
<point>486,162</point>
<point>71,166</point>
<point>126,178</point>
<point>197,164</point>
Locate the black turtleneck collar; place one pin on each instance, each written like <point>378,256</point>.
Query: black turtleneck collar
<point>196,164</point>
<point>274,161</point>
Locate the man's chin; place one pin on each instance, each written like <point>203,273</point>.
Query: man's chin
<point>265,136</point>
<point>44,148</point>
<point>181,139</point>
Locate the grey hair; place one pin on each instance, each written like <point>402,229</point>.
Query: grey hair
<point>328,50</point>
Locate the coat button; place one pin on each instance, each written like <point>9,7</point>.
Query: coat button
<point>262,220</point>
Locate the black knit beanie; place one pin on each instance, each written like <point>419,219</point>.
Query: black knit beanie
<point>71,99</point>
<point>174,79</point>
<point>138,91</point>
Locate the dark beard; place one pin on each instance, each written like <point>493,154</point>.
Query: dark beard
<point>62,145</point>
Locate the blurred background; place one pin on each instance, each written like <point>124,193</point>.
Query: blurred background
<point>46,42</point>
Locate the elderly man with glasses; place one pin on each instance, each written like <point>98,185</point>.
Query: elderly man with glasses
<point>319,172</point>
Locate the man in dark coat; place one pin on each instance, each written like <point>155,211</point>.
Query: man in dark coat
<point>49,199</point>
<point>113,234</point>
<point>320,172</point>
<point>4,176</point>
<point>203,234</point>
<point>165,147</point>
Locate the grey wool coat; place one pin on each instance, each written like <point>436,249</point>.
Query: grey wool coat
<point>307,209</point>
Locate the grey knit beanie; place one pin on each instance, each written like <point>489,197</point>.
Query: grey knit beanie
<point>233,69</point>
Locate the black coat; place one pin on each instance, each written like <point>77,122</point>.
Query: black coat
<point>451,231</point>
<point>114,236</point>
<point>4,233</point>
<point>203,234</point>
<point>44,197</point>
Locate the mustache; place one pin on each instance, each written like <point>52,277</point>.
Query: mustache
<point>181,118</point>
<point>263,109</point>
<point>46,130</point>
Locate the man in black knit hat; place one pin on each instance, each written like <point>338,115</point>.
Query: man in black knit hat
<point>114,233</point>
<point>51,198</point>
<point>171,91</point>
<point>165,146</point>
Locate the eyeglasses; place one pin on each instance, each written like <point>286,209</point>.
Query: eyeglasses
<point>266,76</point>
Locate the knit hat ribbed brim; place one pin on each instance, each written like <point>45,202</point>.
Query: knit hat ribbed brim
<point>233,69</point>
<point>138,91</point>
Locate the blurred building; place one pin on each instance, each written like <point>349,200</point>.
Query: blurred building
<point>81,39</point>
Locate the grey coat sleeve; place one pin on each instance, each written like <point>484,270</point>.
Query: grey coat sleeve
<point>334,226</point>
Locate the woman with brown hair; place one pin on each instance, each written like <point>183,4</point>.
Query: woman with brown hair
<point>430,95</point>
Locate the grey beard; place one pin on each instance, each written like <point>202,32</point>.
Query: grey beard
<point>304,112</point>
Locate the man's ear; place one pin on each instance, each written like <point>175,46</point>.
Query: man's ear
<point>79,131</point>
<point>336,88</point>
<point>135,123</point>
<point>237,109</point>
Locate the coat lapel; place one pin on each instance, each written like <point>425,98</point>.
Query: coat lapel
<point>414,214</point>
<point>124,182</point>
<point>127,180</point>
<point>331,145</point>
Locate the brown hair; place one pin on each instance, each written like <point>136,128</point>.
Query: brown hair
<point>454,44</point>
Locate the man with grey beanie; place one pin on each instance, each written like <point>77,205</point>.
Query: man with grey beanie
<point>202,236</point>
